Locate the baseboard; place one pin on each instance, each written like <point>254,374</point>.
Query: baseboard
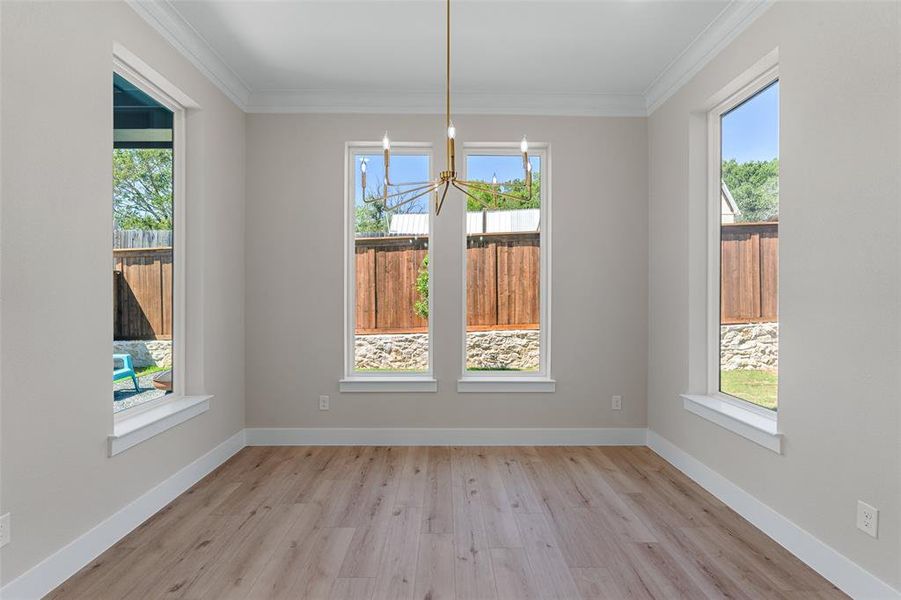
<point>412,436</point>
<point>62,564</point>
<point>825,560</point>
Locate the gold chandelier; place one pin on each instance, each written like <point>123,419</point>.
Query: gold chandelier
<point>447,178</point>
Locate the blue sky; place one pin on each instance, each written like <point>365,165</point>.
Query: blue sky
<point>751,130</point>
<point>416,168</point>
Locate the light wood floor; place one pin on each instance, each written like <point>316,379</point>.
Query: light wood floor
<point>436,523</point>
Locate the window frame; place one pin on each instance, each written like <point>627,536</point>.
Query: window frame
<point>521,381</point>
<point>140,423</point>
<point>748,89</point>
<point>400,381</point>
<point>135,76</point>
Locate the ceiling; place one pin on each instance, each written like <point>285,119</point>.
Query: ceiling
<point>591,57</point>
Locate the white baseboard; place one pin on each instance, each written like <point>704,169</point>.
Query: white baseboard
<point>62,564</point>
<point>413,436</point>
<point>825,560</point>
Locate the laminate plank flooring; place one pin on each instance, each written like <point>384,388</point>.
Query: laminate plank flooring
<point>442,523</point>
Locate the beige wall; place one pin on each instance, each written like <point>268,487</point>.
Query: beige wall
<point>57,480</point>
<point>840,287</point>
<point>295,195</point>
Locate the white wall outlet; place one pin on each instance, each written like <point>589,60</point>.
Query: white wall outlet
<point>867,518</point>
<point>616,403</point>
<point>323,402</point>
<point>5,534</point>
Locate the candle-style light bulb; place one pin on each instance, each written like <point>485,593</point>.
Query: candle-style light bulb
<point>494,179</point>
<point>363,166</point>
<point>451,131</point>
<point>386,143</point>
<point>524,145</point>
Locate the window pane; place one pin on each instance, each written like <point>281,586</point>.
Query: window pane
<point>503,266</point>
<point>142,248</point>
<point>391,260</point>
<point>749,250</point>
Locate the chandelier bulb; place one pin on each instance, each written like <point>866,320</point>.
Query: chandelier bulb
<point>386,143</point>
<point>494,179</point>
<point>451,131</point>
<point>363,166</point>
<point>524,145</point>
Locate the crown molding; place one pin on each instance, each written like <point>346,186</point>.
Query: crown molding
<point>168,22</point>
<point>413,102</point>
<point>733,19</point>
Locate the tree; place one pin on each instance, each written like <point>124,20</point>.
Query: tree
<point>517,187</point>
<point>755,187</point>
<point>373,217</point>
<point>421,306</point>
<point>142,188</point>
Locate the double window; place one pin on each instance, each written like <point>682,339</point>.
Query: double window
<point>389,272</point>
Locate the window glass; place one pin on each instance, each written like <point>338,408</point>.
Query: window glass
<point>391,265</point>
<point>142,247</point>
<point>749,249</point>
<point>503,265</point>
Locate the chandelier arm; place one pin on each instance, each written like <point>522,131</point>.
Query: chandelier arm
<point>443,196</point>
<point>478,186</point>
<point>406,201</point>
<point>462,189</point>
<point>410,191</point>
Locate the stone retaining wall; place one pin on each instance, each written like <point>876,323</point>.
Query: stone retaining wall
<point>516,349</point>
<point>146,353</point>
<point>749,346</point>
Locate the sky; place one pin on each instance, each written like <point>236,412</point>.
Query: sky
<point>406,168</point>
<point>751,130</point>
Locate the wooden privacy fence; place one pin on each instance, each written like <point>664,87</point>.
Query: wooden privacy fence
<point>749,265</point>
<point>142,294</point>
<point>501,288</point>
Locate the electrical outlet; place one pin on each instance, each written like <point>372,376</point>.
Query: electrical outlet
<point>4,530</point>
<point>616,403</point>
<point>323,402</point>
<point>867,518</point>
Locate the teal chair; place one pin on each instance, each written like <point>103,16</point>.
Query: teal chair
<point>126,370</point>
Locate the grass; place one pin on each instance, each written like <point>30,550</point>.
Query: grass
<point>141,371</point>
<point>758,387</point>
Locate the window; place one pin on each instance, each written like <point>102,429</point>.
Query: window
<point>388,271</point>
<point>144,217</point>
<point>506,268</point>
<point>744,259</point>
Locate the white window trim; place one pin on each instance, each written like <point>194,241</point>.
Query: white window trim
<point>134,425</point>
<point>400,381</point>
<point>753,422</point>
<point>504,381</point>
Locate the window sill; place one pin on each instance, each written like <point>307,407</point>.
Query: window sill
<point>506,385</point>
<point>131,430</point>
<point>388,384</point>
<point>757,427</point>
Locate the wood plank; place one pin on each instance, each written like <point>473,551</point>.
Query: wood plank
<point>352,588</point>
<point>438,513</point>
<point>473,576</point>
<point>549,570</point>
<point>435,567</point>
<point>397,573</point>
<point>513,574</point>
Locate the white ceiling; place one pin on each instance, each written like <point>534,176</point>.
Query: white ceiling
<point>532,57</point>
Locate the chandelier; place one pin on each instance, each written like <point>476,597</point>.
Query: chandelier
<point>413,190</point>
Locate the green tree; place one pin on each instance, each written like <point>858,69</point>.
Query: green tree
<point>142,188</point>
<point>517,187</point>
<point>421,306</point>
<point>755,187</point>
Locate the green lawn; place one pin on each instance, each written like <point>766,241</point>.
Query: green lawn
<point>141,371</point>
<point>758,387</point>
